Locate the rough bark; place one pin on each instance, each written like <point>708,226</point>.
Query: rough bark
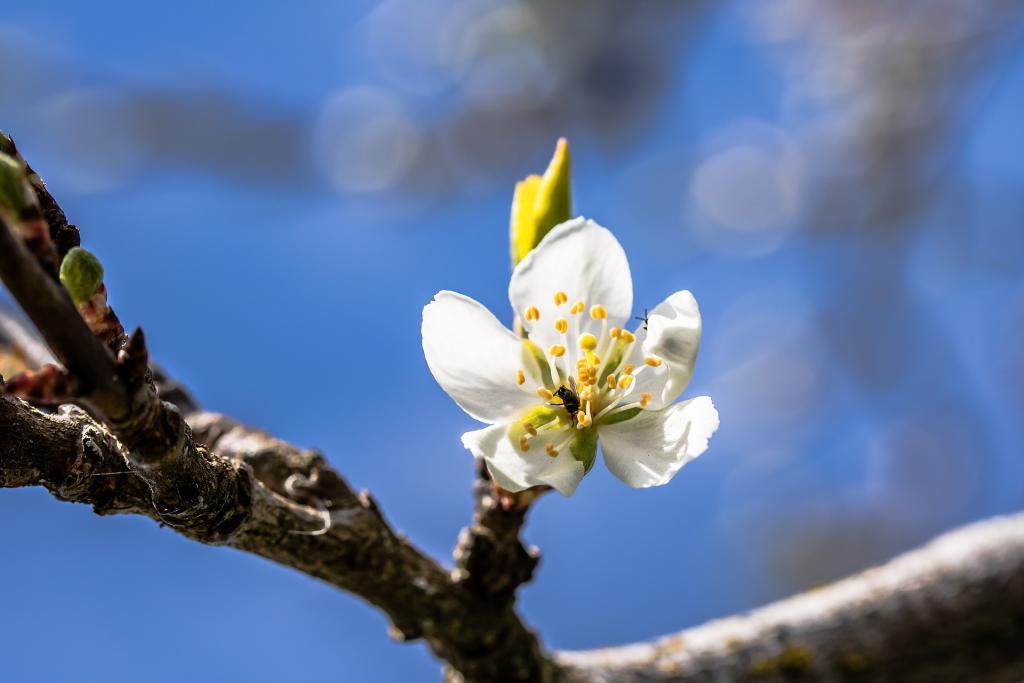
<point>950,611</point>
<point>490,559</point>
<point>303,515</point>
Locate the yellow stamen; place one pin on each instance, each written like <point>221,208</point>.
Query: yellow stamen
<point>561,298</point>
<point>598,312</point>
<point>562,325</point>
<point>645,398</point>
<point>653,362</point>
<point>627,336</point>
<point>520,377</point>
<point>557,350</point>
<point>581,418</point>
<point>544,393</point>
<point>578,307</point>
<point>615,332</point>
<point>588,342</point>
<point>530,428</point>
<point>594,359</point>
<point>532,313</point>
<point>611,381</point>
<point>552,451</point>
<point>628,370</point>
<point>625,382</point>
<point>524,444</point>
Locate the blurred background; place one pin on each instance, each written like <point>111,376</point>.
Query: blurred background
<point>276,191</point>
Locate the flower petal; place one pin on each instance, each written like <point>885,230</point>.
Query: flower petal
<point>672,336</point>
<point>649,449</point>
<point>474,357</point>
<point>514,470</point>
<point>585,261</point>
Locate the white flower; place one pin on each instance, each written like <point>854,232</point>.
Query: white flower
<point>574,294</point>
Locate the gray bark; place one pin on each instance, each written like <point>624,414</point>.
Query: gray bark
<point>950,611</point>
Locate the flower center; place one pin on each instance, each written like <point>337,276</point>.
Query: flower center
<point>585,378</point>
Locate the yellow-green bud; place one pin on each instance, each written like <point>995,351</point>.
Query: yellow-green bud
<point>82,274</point>
<point>13,197</point>
<point>540,203</point>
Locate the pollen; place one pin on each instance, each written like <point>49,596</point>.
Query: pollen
<point>598,312</point>
<point>561,298</point>
<point>562,325</point>
<point>612,381</point>
<point>532,313</point>
<point>652,361</point>
<point>557,350</point>
<point>528,426</point>
<point>551,450</point>
<point>520,377</point>
<point>544,393</point>
<point>578,307</point>
<point>627,336</point>
<point>524,444</point>
<point>615,332</point>
<point>645,398</point>
<point>588,342</point>
<point>628,370</point>
<point>625,381</point>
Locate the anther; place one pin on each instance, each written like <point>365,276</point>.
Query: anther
<point>532,313</point>
<point>612,381</point>
<point>578,307</point>
<point>544,393</point>
<point>520,377</point>
<point>524,445</point>
<point>628,370</point>
<point>528,426</point>
<point>598,312</point>
<point>581,418</point>
<point>557,350</point>
<point>588,342</point>
<point>615,332</point>
<point>561,298</point>
<point>653,362</point>
<point>625,381</point>
<point>645,398</point>
<point>552,451</point>
<point>562,325</point>
<point>627,336</point>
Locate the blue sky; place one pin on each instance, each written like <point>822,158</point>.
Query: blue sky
<point>296,307</point>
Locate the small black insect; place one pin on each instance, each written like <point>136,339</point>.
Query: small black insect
<point>570,399</point>
<point>642,319</point>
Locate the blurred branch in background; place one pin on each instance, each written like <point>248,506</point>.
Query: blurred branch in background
<point>469,90</point>
<point>877,107</point>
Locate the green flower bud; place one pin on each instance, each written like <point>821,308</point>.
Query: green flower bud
<point>82,274</point>
<point>13,198</point>
<point>540,203</point>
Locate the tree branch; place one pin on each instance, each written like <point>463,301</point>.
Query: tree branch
<point>490,559</point>
<point>336,535</point>
<point>952,611</point>
<point>254,493</point>
<point>949,612</point>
